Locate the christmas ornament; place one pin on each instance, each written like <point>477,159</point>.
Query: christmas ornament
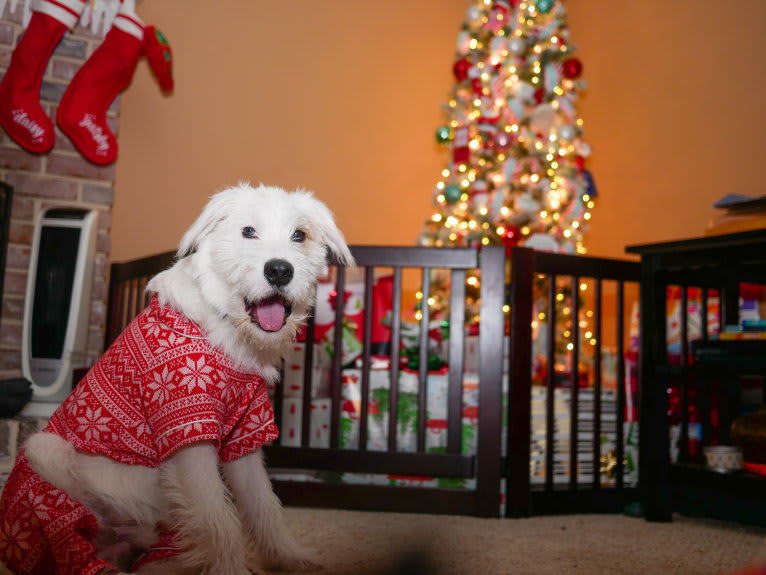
<point>516,46</point>
<point>590,184</point>
<point>545,6</point>
<point>512,236</point>
<point>21,115</point>
<point>479,194</point>
<point>502,140</point>
<point>460,69</point>
<point>487,124</point>
<point>452,194</point>
<point>543,118</point>
<point>82,112</point>
<point>443,135</point>
<point>608,463</point>
<point>474,74</point>
<point>567,132</point>
<point>498,16</point>
<point>572,68</point>
<point>473,15</point>
<point>460,150</point>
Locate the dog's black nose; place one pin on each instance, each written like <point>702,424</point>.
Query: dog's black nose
<point>278,272</point>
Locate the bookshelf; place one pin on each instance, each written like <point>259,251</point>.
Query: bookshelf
<point>721,263</point>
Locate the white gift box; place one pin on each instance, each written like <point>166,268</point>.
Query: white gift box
<point>471,360</point>
<point>290,428</point>
<point>293,373</point>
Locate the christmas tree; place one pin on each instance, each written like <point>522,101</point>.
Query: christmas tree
<point>516,172</point>
<point>516,165</point>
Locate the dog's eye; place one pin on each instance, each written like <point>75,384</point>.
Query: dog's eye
<point>298,236</point>
<point>248,232</point>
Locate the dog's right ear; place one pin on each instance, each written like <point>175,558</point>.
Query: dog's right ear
<point>216,210</point>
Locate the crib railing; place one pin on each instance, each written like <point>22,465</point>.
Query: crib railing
<point>530,270</point>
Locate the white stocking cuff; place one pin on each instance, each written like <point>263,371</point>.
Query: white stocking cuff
<point>65,11</point>
<point>129,23</point>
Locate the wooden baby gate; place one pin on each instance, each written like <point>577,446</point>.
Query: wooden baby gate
<point>482,469</point>
<point>575,496</point>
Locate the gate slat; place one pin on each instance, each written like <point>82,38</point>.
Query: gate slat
<point>393,392</point>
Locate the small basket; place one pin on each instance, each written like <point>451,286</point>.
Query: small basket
<point>723,458</point>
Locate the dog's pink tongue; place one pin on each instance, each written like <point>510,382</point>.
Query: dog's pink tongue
<point>271,313</point>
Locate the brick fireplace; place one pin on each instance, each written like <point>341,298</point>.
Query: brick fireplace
<point>62,178</point>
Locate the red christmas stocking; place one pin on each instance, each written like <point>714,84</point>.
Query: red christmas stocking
<point>82,112</point>
<point>21,115</point>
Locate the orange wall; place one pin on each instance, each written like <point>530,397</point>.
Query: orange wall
<point>343,98</point>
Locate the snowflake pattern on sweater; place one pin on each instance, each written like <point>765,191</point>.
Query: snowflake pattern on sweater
<point>162,386</point>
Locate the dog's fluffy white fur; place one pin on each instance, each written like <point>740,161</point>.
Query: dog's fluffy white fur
<point>230,519</point>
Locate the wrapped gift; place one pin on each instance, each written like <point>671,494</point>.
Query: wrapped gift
<point>407,409</point>
<point>294,371</point>
<point>471,360</point>
<point>290,428</point>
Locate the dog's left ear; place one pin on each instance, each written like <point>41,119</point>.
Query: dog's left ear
<point>329,234</point>
<point>214,211</point>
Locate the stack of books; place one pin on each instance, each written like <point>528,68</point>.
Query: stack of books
<point>737,213</point>
<point>747,329</point>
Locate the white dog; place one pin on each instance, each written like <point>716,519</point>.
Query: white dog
<point>137,448</point>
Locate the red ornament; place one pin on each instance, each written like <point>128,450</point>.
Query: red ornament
<point>460,69</point>
<point>539,94</point>
<point>502,140</point>
<point>509,244</point>
<point>572,68</point>
<point>498,16</point>
<point>512,236</point>
<point>580,163</point>
<point>478,87</point>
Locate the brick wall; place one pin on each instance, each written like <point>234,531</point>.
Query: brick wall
<point>62,177</point>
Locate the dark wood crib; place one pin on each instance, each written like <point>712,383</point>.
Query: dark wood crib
<point>494,475</point>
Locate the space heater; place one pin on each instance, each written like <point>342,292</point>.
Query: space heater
<point>57,304</point>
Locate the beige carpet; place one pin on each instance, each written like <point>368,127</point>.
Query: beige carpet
<point>353,542</point>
